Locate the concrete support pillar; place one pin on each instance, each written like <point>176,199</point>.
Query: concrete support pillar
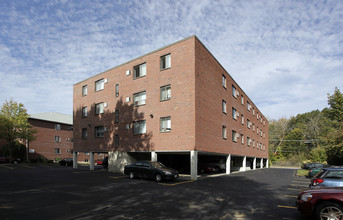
<point>194,164</point>
<point>244,164</point>
<point>74,160</point>
<point>267,163</point>
<point>254,164</point>
<point>91,160</point>
<point>228,164</point>
<point>153,156</point>
<point>261,163</point>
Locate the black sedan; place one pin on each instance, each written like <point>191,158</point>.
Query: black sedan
<point>150,170</point>
<point>66,162</point>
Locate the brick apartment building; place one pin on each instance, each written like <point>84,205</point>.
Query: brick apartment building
<point>54,138</point>
<point>177,105</point>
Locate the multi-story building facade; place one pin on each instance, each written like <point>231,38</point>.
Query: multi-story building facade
<point>177,105</point>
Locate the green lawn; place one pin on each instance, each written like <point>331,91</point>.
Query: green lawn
<point>302,172</point>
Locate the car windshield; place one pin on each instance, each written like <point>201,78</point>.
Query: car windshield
<point>158,164</point>
<point>335,174</point>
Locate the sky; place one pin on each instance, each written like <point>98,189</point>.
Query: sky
<point>286,55</point>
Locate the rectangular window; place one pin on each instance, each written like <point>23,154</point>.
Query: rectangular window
<point>99,131</point>
<point>242,139</point>
<point>84,133</point>
<point>224,134</point>
<point>253,142</point>
<point>242,99</point>
<point>224,81</point>
<point>57,127</point>
<point>165,93</point>
<point>165,62</point>
<point>84,112</point>
<point>139,127</point>
<point>139,98</point>
<point>234,136</point>
<point>139,70</point>
<point>84,90</point>
<point>234,113</point>
<point>248,141</point>
<point>57,151</point>
<point>116,141</point>
<point>117,116</point>
<point>99,108</point>
<point>224,106</point>
<point>165,124</point>
<point>117,90</point>
<point>248,123</point>
<point>253,111</point>
<point>248,106</point>
<point>253,127</point>
<point>99,85</point>
<point>242,118</point>
<point>57,139</point>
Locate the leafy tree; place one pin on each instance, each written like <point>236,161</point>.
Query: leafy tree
<point>335,112</point>
<point>14,124</point>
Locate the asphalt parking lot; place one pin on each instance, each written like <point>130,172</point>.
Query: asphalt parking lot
<point>37,191</point>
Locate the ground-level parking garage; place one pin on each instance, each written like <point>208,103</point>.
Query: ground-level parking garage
<point>189,162</point>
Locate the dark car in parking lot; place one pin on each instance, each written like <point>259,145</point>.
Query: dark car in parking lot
<point>7,159</point>
<point>328,177</point>
<point>322,203</point>
<point>150,170</point>
<point>314,170</point>
<point>311,165</point>
<point>66,162</point>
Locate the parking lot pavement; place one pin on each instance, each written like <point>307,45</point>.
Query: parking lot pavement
<point>65,193</point>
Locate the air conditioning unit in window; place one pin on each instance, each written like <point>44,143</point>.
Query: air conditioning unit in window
<point>128,72</point>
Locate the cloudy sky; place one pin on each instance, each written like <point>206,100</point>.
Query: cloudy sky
<point>286,55</point>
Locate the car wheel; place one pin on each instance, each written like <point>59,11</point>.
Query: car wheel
<point>158,177</point>
<point>131,175</point>
<point>328,210</point>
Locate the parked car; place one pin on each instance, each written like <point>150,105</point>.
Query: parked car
<point>311,165</point>
<point>205,168</point>
<point>313,171</point>
<point>150,170</point>
<point>328,177</point>
<point>105,162</point>
<point>99,162</point>
<point>6,159</point>
<point>66,162</point>
<point>323,203</point>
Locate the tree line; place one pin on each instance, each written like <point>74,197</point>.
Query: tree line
<point>315,136</point>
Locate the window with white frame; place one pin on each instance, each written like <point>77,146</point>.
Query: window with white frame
<point>139,70</point>
<point>139,127</point>
<point>57,138</point>
<point>224,133</point>
<point>84,90</point>
<point>224,106</point>
<point>224,81</point>
<point>165,124</point>
<point>234,136</point>
<point>248,106</point>
<point>165,62</point>
<point>248,141</point>
<point>57,151</point>
<point>99,85</point>
<point>242,139</point>
<point>84,112</point>
<point>84,133</point>
<point>139,98</point>
<point>234,92</point>
<point>242,119</point>
<point>117,90</point>
<point>234,113</point>
<point>248,123</point>
<point>99,108</point>
<point>57,127</point>
<point>165,93</point>
<point>253,142</point>
<point>99,131</point>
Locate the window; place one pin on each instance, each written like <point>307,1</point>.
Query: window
<point>165,93</point>
<point>117,90</point>
<point>253,127</point>
<point>57,151</point>
<point>84,112</point>
<point>84,90</point>
<point>165,124</point>
<point>117,116</point>
<point>57,139</point>
<point>139,127</point>
<point>116,140</point>
<point>139,70</point>
<point>99,108</point>
<point>253,142</point>
<point>253,111</point>
<point>248,106</point>
<point>57,127</point>
<point>248,123</point>
<point>139,98</point>
<point>165,62</point>
<point>99,85</point>
<point>242,119</point>
<point>99,131</point>
<point>234,113</point>
<point>87,153</point>
<point>224,135</point>
<point>224,106</point>
<point>242,139</point>
<point>234,136</point>
<point>248,141</point>
<point>234,91</point>
<point>84,133</point>
<point>242,99</point>
<point>224,81</point>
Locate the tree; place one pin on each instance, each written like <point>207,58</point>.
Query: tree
<point>14,124</point>
<point>335,112</point>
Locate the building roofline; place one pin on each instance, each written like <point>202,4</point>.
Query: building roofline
<point>53,117</point>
